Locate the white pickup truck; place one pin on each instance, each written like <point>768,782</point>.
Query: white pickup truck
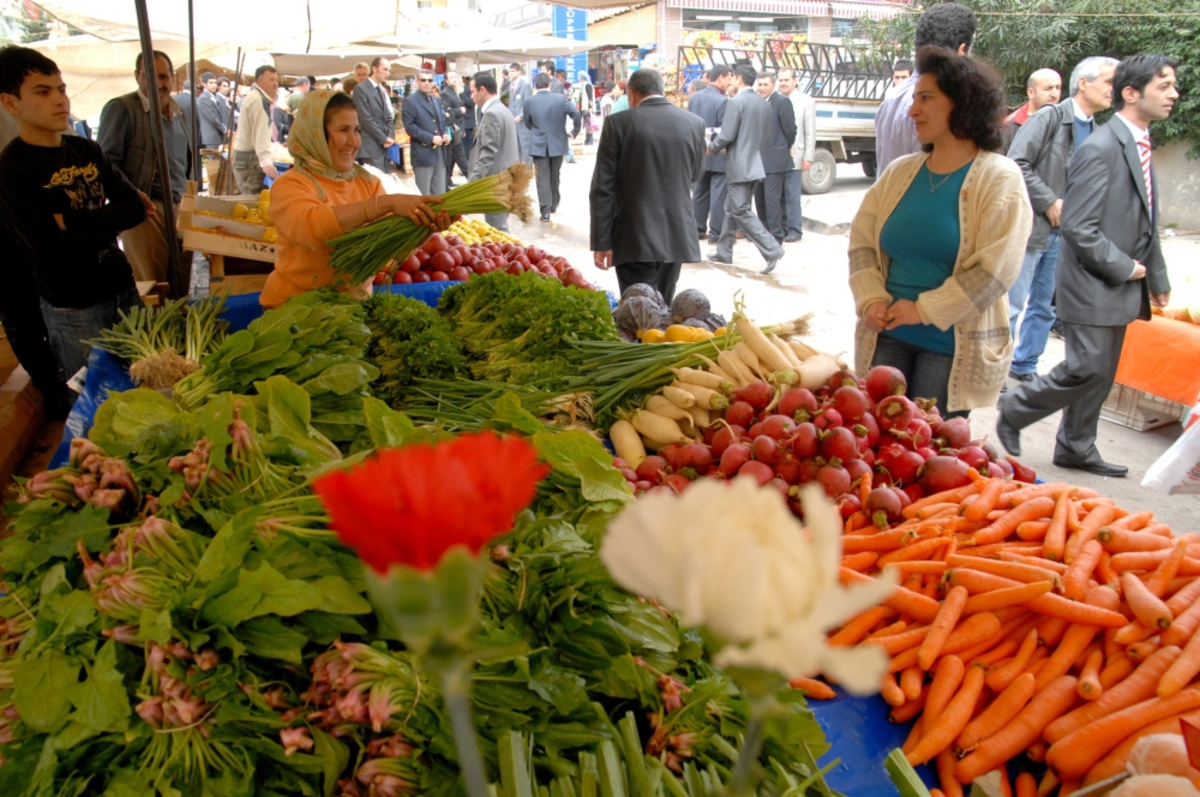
<point>847,88</point>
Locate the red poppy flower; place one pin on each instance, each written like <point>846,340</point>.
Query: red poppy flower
<point>409,505</point>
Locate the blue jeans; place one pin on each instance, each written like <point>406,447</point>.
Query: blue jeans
<point>927,372</point>
<point>69,329</point>
<point>1033,292</point>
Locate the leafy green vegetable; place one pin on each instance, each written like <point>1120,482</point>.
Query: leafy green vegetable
<point>410,341</point>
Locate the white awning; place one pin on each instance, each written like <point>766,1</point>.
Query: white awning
<point>869,10</point>
<point>790,8</point>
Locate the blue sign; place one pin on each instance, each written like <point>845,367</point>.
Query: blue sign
<point>570,23</point>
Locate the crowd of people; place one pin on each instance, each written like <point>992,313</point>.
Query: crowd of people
<point>981,229</point>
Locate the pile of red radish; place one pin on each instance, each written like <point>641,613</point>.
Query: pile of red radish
<point>442,259</point>
<point>845,432</point>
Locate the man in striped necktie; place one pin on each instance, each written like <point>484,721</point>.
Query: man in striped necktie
<point>1112,267</point>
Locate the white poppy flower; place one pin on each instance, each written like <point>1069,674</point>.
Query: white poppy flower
<point>731,556</point>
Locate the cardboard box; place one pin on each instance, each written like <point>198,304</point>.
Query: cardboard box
<point>22,411</point>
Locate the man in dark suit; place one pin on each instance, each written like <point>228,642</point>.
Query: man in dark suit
<point>456,153</point>
<point>642,219</point>
<point>213,114</point>
<point>425,122</point>
<point>743,136</point>
<point>708,198</point>
<point>776,155</point>
<point>557,86</point>
<point>1112,267</point>
<point>546,117</point>
<point>470,122</point>
<point>495,147</point>
<point>186,100</point>
<point>519,92</point>
<point>376,116</point>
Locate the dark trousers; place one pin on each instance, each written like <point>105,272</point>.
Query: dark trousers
<point>793,218</point>
<point>661,275</point>
<point>927,372</point>
<point>468,139</point>
<point>769,198</point>
<point>548,168</point>
<point>739,214</point>
<point>26,332</point>
<point>708,200</point>
<point>456,155</point>
<point>1078,386</point>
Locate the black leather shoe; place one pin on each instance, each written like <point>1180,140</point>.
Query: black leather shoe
<point>713,257</point>
<point>1098,467</point>
<point>770,266</point>
<point>1021,377</point>
<point>545,217</point>
<point>1009,435</point>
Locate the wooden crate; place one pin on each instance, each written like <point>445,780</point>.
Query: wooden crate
<point>218,247</point>
<point>1137,410</point>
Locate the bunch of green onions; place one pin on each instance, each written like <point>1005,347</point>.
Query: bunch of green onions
<point>382,245</point>
<point>461,405</point>
<point>164,344</point>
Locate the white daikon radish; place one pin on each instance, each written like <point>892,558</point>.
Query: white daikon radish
<point>706,398</point>
<point>627,443</point>
<point>785,350</point>
<point>751,360</point>
<point>801,349</point>
<point>816,370</point>
<point>658,428</point>
<point>700,418</point>
<point>663,406</point>
<point>736,368</point>
<point>680,397</point>
<point>772,359</point>
<point>713,368</point>
<point>695,376</point>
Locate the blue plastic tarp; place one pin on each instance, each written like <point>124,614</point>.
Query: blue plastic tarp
<point>106,374</point>
<point>858,730</point>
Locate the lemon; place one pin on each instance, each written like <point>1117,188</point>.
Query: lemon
<point>264,195</point>
<point>240,211</point>
<point>678,333</point>
<point>720,331</point>
<point>654,336</point>
<point>699,333</point>
<point>269,235</point>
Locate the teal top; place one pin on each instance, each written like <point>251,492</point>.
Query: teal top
<point>921,239</point>
<point>622,104</point>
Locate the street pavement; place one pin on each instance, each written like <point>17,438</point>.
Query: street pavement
<point>811,278</point>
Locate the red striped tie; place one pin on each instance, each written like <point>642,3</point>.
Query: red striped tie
<point>1144,150</point>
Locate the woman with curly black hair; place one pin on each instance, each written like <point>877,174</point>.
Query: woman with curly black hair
<point>938,241</point>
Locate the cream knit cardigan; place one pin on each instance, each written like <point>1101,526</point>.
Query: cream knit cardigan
<point>995,219</point>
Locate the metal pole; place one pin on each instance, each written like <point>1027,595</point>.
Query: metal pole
<point>197,166</point>
<point>179,274</point>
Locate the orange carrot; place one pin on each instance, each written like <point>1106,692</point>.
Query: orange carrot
<point>922,549</point>
<point>1096,518</point>
<point>1133,521</point>
<point>997,715</point>
<point>954,496</point>
<point>1023,731</point>
<point>862,561</point>
<point>1049,783</point>
<point>1005,784</point>
<point>880,541</point>
<point>970,632</point>
<point>890,691</point>
<point>902,714</point>
<point>1140,651</point>
<point>1152,611</point>
<point>1056,534</point>
<point>1184,626</point>
<point>1035,509</point>
<point>1120,541</point>
<point>1026,785</point>
<point>1034,491</point>
<point>902,600</point>
<point>1033,530</point>
<point>911,681</point>
<point>1017,571</point>
<point>943,624</point>
<point>1105,572</point>
<point>1075,640</point>
<point>1036,752</point>
<point>1074,582</point>
<point>1009,596</point>
<point>899,642</point>
<point>1000,678</point>
<point>1089,676</point>
<point>898,627</point>
<point>1050,631</point>
<point>933,510</point>
<point>1140,685</point>
<point>1049,604</point>
<point>1073,755</point>
<point>857,628</point>
<point>1183,670</point>
<point>1149,560</point>
<point>864,487</point>
<point>817,690</point>
<point>946,762</point>
<point>1115,762</point>
<point>1001,652</point>
<point>1184,598</point>
<point>1045,564</point>
<point>985,500</point>
<point>1133,633</point>
<point>940,734</point>
<point>947,677</point>
<point>1161,578</point>
<point>921,566</point>
<point>1115,671</point>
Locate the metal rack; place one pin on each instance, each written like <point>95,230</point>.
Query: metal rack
<point>825,71</point>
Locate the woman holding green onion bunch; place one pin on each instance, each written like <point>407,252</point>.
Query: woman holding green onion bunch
<point>327,194</point>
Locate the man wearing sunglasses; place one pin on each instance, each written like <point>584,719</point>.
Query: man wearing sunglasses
<point>425,122</point>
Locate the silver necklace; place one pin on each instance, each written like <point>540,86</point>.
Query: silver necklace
<point>929,174</point>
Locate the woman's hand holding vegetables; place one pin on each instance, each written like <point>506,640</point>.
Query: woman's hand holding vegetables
<point>876,317</point>
<point>902,313</point>
<point>420,210</point>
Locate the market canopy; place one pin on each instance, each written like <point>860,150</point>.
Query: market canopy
<point>484,43</point>
<point>328,63</point>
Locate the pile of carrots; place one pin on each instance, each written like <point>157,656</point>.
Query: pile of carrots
<point>1039,620</point>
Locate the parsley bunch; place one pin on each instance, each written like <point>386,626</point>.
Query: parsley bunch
<point>410,341</point>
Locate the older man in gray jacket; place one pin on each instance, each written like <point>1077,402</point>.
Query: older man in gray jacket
<point>495,146</point>
<point>742,137</point>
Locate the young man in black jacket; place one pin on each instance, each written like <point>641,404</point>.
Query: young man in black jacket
<point>63,204</point>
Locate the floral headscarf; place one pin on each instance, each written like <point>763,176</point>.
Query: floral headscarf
<point>307,144</point>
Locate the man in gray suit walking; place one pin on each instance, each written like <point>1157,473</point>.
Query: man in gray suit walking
<point>519,92</point>
<point>646,227</point>
<point>495,146</point>
<point>743,135</point>
<point>546,117</point>
<point>1112,267</point>
<point>708,198</point>
<point>376,116</point>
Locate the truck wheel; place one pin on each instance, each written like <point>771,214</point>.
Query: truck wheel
<point>870,167</point>
<point>820,176</point>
